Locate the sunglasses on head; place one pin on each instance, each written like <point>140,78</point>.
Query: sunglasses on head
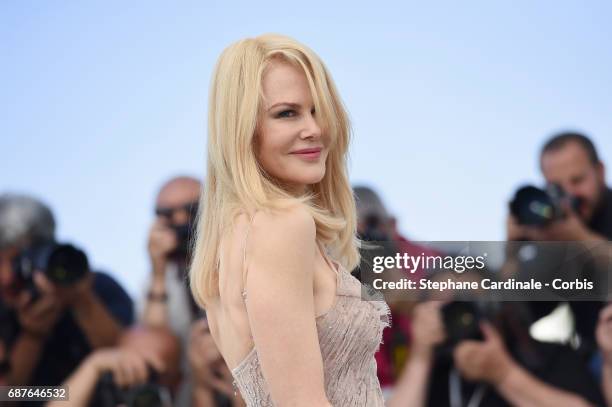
<point>191,208</point>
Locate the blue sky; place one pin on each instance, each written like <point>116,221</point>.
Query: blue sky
<point>450,101</point>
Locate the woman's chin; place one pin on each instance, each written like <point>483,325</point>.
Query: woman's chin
<point>314,179</point>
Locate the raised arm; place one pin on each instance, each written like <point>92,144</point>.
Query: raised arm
<point>280,262</point>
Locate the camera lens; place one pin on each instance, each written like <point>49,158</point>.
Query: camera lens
<point>532,206</point>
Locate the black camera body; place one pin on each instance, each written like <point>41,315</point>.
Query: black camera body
<point>62,264</point>
<point>462,320</point>
<point>183,232</point>
<point>183,239</point>
<point>533,206</point>
<point>149,394</point>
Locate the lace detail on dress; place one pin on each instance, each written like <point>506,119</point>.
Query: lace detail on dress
<point>377,300</point>
<point>349,334</point>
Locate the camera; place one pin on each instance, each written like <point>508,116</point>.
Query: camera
<point>62,264</point>
<point>149,394</point>
<point>462,319</point>
<point>538,207</point>
<point>181,231</point>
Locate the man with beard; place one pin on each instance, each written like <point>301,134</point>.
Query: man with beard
<point>570,161</point>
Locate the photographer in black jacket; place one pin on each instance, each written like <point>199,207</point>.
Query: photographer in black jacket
<point>488,371</point>
<point>570,161</point>
<point>48,328</point>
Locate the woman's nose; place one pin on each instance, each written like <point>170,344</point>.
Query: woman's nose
<point>311,127</point>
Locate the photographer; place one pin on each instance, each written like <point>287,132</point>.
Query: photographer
<point>498,369</point>
<point>375,224</point>
<point>168,300</point>
<point>142,371</point>
<point>570,162</point>
<point>169,303</point>
<point>48,328</point>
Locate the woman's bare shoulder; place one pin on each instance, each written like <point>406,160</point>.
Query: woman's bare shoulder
<point>296,219</point>
<point>282,239</point>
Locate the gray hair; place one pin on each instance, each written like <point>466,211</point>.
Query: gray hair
<point>23,217</point>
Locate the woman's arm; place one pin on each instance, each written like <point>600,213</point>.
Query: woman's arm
<point>281,258</point>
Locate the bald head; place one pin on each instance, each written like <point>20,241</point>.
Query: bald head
<point>178,191</point>
<point>176,198</point>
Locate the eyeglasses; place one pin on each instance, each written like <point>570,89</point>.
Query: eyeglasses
<point>191,208</point>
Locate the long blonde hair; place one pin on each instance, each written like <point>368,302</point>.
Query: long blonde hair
<point>234,179</point>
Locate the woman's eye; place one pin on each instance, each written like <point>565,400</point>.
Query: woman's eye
<point>286,113</point>
<point>313,111</point>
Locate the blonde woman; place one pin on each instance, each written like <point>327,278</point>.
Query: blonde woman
<point>276,233</point>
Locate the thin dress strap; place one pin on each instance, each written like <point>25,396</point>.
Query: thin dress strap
<point>327,261</point>
<point>244,265</point>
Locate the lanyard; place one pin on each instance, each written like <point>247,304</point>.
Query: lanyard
<point>456,395</point>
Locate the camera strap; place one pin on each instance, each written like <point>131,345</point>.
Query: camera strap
<point>455,392</point>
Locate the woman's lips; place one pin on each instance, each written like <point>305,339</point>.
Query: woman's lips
<point>308,153</point>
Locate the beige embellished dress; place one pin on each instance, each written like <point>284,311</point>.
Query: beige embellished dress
<point>349,333</point>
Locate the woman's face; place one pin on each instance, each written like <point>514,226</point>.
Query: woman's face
<point>290,145</point>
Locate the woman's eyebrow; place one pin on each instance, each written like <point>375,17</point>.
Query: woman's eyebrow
<point>288,104</point>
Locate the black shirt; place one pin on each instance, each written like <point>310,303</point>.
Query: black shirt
<point>601,222</point>
<point>586,313</point>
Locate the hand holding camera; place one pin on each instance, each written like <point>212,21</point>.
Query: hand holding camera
<point>162,242</point>
<point>545,214</point>
<point>486,360</point>
<point>479,356</point>
<point>169,235</point>
<point>38,317</point>
<point>129,378</point>
<point>49,278</point>
<point>127,368</point>
<point>49,269</point>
